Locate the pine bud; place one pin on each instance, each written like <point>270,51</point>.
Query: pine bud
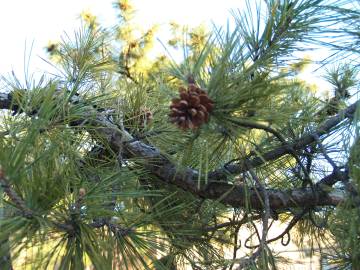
<point>82,192</point>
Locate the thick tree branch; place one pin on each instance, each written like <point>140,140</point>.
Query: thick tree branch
<point>234,195</point>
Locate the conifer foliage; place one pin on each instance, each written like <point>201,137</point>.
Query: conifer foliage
<point>121,161</point>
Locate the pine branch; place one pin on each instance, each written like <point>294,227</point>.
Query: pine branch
<point>235,195</point>
<point>14,197</point>
<point>334,177</point>
<point>239,166</point>
<point>254,125</point>
<point>20,204</point>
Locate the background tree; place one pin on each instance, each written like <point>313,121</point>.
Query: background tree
<point>118,164</point>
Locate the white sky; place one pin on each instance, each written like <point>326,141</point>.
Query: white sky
<point>39,21</point>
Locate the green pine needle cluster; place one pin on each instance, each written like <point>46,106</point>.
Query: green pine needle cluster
<point>74,195</point>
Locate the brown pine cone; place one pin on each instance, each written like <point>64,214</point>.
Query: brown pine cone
<point>192,109</point>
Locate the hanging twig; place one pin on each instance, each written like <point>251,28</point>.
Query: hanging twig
<point>265,220</point>
<point>266,215</point>
<point>236,244</point>
<point>291,224</point>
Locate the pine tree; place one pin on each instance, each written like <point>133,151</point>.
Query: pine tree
<point>123,162</point>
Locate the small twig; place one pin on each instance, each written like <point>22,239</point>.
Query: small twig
<point>20,204</point>
<point>236,246</point>
<point>231,223</point>
<point>266,207</point>
<point>14,197</point>
<point>79,200</point>
<point>265,220</point>
<point>291,224</point>
<point>334,177</point>
<point>126,72</point>
<point>238,165</point>
<point>118,230</point>
<point>244,262</point>
<point>115,228</point>
<point>323,150</point>
<point>279,136</point>
<point>309,157</point>
<point>69,228</point>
